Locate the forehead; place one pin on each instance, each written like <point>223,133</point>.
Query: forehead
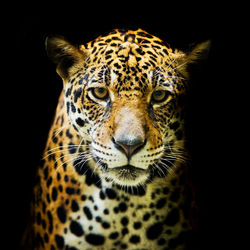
<point>130,48</point>
<point>132,56</point>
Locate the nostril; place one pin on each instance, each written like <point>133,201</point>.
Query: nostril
<point>129,146</point>
<point>117,145</point>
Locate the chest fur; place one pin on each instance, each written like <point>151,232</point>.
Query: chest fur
<point>105,216</point>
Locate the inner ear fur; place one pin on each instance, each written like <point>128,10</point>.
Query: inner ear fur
<point>196,55</point>
<point>66,56</point>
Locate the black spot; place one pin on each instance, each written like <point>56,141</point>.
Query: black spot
<point>91,178</point>
<point>54,138</point>
<point>98,219</point>
<point>161,242</point>
<point>58,176</point>
<point>105,224</point>
<point>172,217</point>
<point>146,216</point>
<point>50,221</point>
<point>80,122</point>
<point>88,213</point>
<point>123,206</point>
<point>73,108</point>
<point>70,190</point>
<point>110,193</point>
<point>174,125</point>
<point>165,51</point>
<point>43,207</point>
<point>73,181</point>
<point>86,76</point>
<point>61,213</point>
<point>71,248</point>
<point>124,246</point>
<point>77,94</point>
<point>76,228</point>
<point>49,181</point>
<point>140,190</point>
<point>68,106</point>
<point>66,178</point>
<point>154,231</point>
<point>54,194</point>
<point>106,211</point>
<point>124,221</point>
<point>113,235</point>
<point>68,134</point>
<point>108,52</point>
<point>80,168</point>
<point>95,239</point>
<point>116,210</point>
<point>46,237</point>
<point>169,231</point>
<point>117,65</point>
<point>161,203</point>
<point>102,195</point>
<point>45,173</point>
<point>44,224</point>
<point>137,225</point>
<point>178,134</point>
<point>74,206</point>
<point>134,239</point>
<point>59,241</point>
<point>165,190</point>
<point>83,197</point>
<point>68,92</point>
<point>124,231</point>
<point>72,148</point>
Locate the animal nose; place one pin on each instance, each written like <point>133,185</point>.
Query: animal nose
<point>129,146</point>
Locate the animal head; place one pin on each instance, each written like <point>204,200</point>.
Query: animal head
<point>123,94</point>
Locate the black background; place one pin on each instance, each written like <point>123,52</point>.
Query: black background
<point>35,89</point>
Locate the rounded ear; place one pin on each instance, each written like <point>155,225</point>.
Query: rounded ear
<point>196,55</point>
<point>66,56</point>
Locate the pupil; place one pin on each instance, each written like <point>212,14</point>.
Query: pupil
<point>158,93</point>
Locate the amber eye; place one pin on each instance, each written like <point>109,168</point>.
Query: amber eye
<point>100,93</point>
<point>160,96</point>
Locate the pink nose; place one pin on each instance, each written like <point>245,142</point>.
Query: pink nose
<point>129,146</point>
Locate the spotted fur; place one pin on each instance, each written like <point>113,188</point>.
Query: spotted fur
<point>92,193</point>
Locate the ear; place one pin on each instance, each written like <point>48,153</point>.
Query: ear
<point>196,55</point>
<point>66,56</point>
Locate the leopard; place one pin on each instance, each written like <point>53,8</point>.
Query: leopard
<point>115,172</point>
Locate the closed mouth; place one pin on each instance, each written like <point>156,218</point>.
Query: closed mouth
<point>127,172</point>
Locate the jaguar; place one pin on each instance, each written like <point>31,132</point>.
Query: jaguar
<point>115,173</point>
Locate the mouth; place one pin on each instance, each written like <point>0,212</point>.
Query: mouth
<point>127,175</point>
<point>127,172</point>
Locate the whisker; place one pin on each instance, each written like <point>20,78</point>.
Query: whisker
<point>168,168</point>
<point>58,130</point>
<point>79,155</point>
<point>158,168</point>
<point>73,145</point>
<point>64,148</point>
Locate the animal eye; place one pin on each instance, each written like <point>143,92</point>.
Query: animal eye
<point>160,96</point>
<point>100,93</point>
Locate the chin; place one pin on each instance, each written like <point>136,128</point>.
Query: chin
<point>128,176</point>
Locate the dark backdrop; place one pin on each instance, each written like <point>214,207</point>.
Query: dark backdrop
<point>36,88</point>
